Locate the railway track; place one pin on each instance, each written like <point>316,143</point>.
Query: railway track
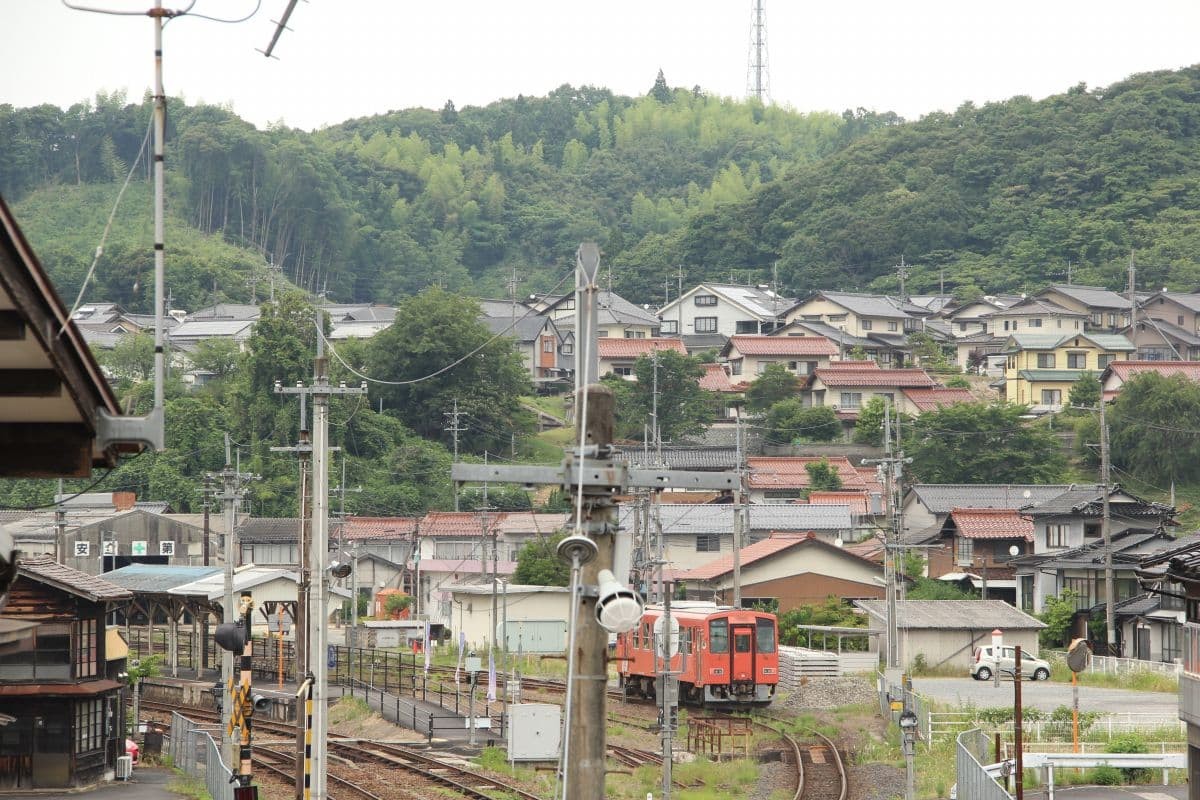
<point>288,775</point>
<point>824,777</point>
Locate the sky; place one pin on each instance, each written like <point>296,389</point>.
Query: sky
<point>351,58</point>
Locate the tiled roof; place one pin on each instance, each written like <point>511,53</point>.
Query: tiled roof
<point>235,311</point>
<point>458,523</point>
<point>1034,305</point>
<point>942,498</point>
<point>992,523</point>
<point>1056,375</point>
<point>683,457</point>
<point>758,301</point>
<point>201,329</point>
<point>770,546</point>
<point>683,519</point>
<point>1087,501</point>
<point>870,479</point>
<point>933,399</point>
<point>848,341</point>
<point>859,502</point>
<point>1127,369</point>
<point>853,365</point>
<point>716,379</point>
<point>981,615</point>
<point>782,346</point>
<point>612,347</point>
<point>379,527</point>
<point>1130,546</point>
<point>868,305</point>
<point>791,472</point>
<point>874,377</point>
<point>1189,300</point>
<point>1169,330</point>
<point>526,329</point>
<point>44,569</point>
<point>1091,296</point>
<point>530,522</point>
<point>269,529</point>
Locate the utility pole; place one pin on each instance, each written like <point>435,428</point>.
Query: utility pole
<point>206,549</point>
<point>454,429</point>
<point>592,475</point>
<point>902,274</point>
<point>668,693</point>
<point>1106,532</point>
<point>679,297</point>
<point>738,499</point>
<point>892,466</point>
<point>1132,296</point>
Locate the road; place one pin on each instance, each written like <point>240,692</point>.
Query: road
<point>1147,792</point>
<point>1047,695</point>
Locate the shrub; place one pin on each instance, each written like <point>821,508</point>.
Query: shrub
<point>1105,775</point>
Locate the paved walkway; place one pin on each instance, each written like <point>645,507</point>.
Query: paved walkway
<point>147,783</point>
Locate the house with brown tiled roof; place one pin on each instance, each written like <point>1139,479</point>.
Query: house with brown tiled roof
<point>858,500</point>
<point>977,546</point>
<point>1117,373</point>
<point>793,569</point>
<point>749,356</point>
<point>846,389</point>
<point>779,479</point>
<point>938,397</point>
<point>617,356</point>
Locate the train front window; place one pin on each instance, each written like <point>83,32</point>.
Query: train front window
<point>718,636</point>
<point>766,636</point>
<point>741,642</point>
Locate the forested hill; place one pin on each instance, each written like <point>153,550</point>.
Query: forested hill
<point>999,197</point>
<point>378,208</point>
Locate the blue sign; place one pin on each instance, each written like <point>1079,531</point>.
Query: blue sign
<point>332,656</point>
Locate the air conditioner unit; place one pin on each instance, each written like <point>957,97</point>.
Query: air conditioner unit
<point>124,768</point>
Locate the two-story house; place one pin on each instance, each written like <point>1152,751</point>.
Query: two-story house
<point>722,309</point>
<point>982,542</point>
<point>928,505</point>
<point>616,317</point>
<point>1042,367</point>
<point>846,388</point>
<point>618,356</point>
<point>879,318</point>
<point>1167,327</point>
<point>749,356</point>
<point>1119,373</point>
<point>1107,311</point>
<point>536,337</point>
<point>970,318</point>
<point>62,704</point>
<point>1035,315</point>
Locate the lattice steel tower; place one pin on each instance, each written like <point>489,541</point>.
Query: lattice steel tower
<point>758,73</point>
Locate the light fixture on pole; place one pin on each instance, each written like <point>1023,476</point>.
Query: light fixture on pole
<point>908,739</point>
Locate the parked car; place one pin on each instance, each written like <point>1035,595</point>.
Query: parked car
<point>988,660</point>
<point>132,750</point>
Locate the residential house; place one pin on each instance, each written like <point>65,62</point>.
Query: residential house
<point>927,506</point>
<point>846,388</point>
<point>946,632</point>
<point>616,317</point>
<point>1118,373</point>
<point>922,400</point>
<point>1042,367</point>
<point>723,309</point>
<point>1107,311</point>
<point>981,353</point>
<point>1035,315</point>
<point>980,542</point>
<point>456,548</point>
<point>782,479</point>
<point>361,321</point>
<point>749,356</point>
<point>60,698</point>
<point>244,312</point>
<point>970,319</point>
<point>536,338</point>
<point>1154,622</point>
<point>185,337</point>
<point>618,356</point>
<point>873,350</point>
<point>791,569</point>
<point>885,320</point>
<point>1168,327</point>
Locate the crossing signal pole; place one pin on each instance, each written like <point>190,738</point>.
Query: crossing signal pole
<point>593,476</point>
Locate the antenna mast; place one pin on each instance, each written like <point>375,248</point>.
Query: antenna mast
<point>758,78</point>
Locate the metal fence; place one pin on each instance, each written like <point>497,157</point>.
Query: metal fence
<point>918,704</point>
<point>973,781</point>
<point>409,715</point>
<point>1105,726</point>
<point>193,750</point>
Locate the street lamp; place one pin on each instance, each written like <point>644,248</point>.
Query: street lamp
<point>908,734</point>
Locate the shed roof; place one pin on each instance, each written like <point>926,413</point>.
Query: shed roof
<point>954,615</point>
<point>44,569</point>
<point>942,498</point>
<point>153,578</point>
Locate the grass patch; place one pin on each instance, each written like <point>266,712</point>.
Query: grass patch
<point>349,709</point>
<point>1138,680</point>
<point>188,786</point>
<point>494,758</point>
<point>552,404</point>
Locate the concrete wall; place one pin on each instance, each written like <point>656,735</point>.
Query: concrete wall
<point>953,647</point>
<point>476,617</point>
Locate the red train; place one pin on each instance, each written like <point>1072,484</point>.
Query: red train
<point>727,656</point>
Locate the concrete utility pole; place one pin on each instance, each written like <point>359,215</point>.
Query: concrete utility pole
<point>738,528</point>
<point>454,429</point>
<point>206,549</point>
<point>893,466</point>
<point>1106,533</point>
<point>593,476</point>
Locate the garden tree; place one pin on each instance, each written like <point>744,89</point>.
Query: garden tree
<point>1154,428</point>
<point>776,383</point>
<point>1059,614</point>
<point>438,352</point>
<point>1085,392</point>
<point>683,407</point>
<point>957,382</point>
<point>982,443</point>
<point>499,498</point>
<point>538,563</point>
<point>790,420</point>
<point>132,358</point>
<point>868,428</point>
<point>928,353</point>
<point>822,476</point>
<point>218,356</point>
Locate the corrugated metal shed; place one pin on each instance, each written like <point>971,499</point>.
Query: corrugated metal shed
<point>954,614</point>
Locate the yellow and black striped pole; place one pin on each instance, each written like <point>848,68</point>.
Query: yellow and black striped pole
<point>306,692</point>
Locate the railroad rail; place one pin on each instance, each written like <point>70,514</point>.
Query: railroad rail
<point>823,774</point>
<point>289,775</point>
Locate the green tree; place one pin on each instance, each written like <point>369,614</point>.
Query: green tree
<point>1153,428</point>
<point>1085,392</point>
<point>1058,613</point>
<point>776,383</point>
<point>822,476</point>
<point>218,356</point>
<point>868,428</point>
<point>683,407</point>
<point>934,589</point>
<point>791,420</point>
<point>982,443</point>
<point>538,563</point>
<point>132,358</point>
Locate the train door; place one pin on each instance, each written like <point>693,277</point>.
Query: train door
<point>741,656</point>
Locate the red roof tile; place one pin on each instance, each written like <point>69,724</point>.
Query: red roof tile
<point>378,527</point>
<point>933,399</point>
<point>870,477</point>
<point>773,545</point>
<point>783,345</point>
<point>610,347</point>
<point>853,365</point>
<point>1127,369</point>
<point>992,523</point>
<point>716,379</point>
<point>456,523</point>
<point>841,376</point>
<point>791,472</point>
<point>859,502</point>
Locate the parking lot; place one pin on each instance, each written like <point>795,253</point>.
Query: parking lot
<point>1047,695</point>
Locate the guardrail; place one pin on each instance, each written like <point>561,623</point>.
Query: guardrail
<point>193,750</point>
<point>974,781</point>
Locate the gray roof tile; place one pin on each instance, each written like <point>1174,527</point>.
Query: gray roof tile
<point>942,498</point>
<point>954,615</point>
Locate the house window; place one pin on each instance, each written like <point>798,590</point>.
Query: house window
<point>832,318</point>
<point>1045,360</point>
<point>1052,397</point>
<point>866,324</point>
<point>964,550</point>
<point>706,324</point>
<point>1091,530</point>
<point>1076,360</point>
<point>89,725</point>
<point>1171,646</point>
<point>1056,535</point>
<point>708,543</point>
<point>1179,320</point>
<point>1171,598</point>
<point>85,648</point>
<point>1005,324</point>
<point>1026,592</point>
<point>706,299</point>
<point>911,324</point>
<point>1098,319</point>
<point>851,399</point>
<point>635,334</point>
<point>1104,359</point>
<point>892,326</point>
<point>547,345</point>
<point>624,372</point>
<point>962,326</point>
<point>1082,587</point>
<point>1035,323</point>
<point>747,326</point>
<point>670,326</point>
<point>735,367</point>
<point>568,348</point>
<point>1112,320</point>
